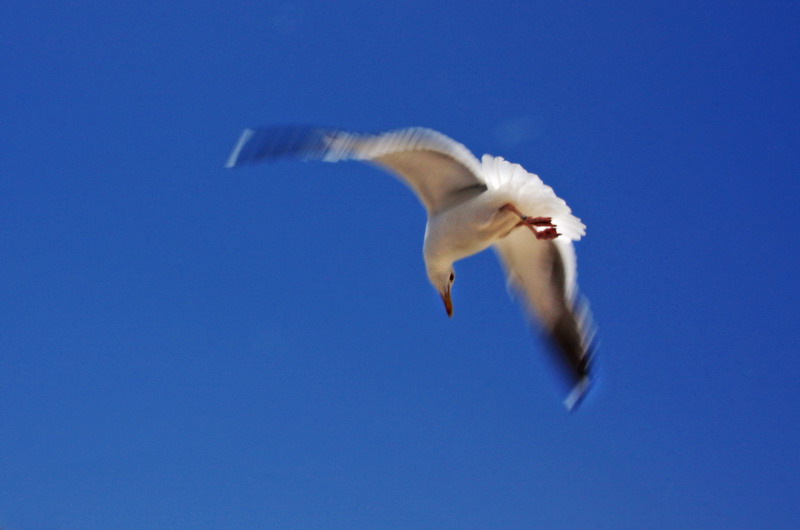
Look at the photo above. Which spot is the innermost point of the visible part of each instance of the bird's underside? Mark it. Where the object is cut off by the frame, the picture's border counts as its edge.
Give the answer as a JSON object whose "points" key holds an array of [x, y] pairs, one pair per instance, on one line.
{"points": [[535, 251]]}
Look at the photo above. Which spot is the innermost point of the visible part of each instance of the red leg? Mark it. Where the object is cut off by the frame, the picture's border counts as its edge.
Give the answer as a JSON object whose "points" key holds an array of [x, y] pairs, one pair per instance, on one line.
{"points": [[539, 221], [546, 234], [513, 209], [549, 231]]}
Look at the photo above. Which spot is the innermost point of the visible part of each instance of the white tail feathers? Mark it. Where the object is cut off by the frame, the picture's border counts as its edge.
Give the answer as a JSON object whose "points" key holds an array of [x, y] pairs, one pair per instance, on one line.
{"points": [[534, 197]]}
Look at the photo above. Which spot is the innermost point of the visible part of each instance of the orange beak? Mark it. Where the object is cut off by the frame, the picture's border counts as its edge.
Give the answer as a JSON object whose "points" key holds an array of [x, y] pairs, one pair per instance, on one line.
{"points": [[448, 303]]}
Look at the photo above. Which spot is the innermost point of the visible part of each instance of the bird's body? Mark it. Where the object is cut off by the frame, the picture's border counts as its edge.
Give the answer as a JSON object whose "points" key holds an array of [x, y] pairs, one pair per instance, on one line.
{"points": [[472, 226], [471, 206]]}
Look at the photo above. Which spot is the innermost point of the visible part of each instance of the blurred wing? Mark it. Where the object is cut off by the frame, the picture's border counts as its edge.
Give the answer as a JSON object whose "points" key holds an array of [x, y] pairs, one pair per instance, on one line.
{"points": [[441, 171], [543, 273]]}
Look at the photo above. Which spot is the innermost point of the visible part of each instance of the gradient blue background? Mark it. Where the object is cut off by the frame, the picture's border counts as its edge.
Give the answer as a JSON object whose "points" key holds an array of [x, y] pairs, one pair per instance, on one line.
{"points": [[184, 346]]}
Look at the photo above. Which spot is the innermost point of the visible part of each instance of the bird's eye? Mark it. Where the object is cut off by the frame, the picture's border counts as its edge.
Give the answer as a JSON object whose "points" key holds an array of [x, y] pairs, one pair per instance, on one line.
{"points": [[452, 277]]}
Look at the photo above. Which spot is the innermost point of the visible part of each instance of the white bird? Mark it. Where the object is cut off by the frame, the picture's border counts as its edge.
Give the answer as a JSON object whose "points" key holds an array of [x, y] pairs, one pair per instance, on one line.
{"points": [[471, 206]]}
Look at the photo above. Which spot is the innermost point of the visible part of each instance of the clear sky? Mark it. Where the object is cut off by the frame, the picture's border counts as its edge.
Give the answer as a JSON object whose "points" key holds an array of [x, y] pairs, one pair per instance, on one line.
{"points": [[184, 346]]}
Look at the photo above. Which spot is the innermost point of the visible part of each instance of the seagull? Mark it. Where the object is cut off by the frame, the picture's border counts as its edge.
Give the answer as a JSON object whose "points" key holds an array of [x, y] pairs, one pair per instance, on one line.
{"points": [[471, 205]]}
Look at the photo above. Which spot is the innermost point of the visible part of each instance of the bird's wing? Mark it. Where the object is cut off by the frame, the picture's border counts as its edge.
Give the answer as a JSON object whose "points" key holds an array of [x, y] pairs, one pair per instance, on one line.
{"points": [[441, 171], [543, 273]]}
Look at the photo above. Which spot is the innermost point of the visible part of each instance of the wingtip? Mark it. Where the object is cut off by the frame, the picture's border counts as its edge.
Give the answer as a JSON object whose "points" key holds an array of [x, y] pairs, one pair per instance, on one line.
{"points": [[243, 139], [577, 394]]}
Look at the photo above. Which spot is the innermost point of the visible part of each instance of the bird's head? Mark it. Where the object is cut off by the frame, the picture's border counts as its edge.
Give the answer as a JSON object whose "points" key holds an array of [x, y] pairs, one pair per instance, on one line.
{"points": [[442, 280]]}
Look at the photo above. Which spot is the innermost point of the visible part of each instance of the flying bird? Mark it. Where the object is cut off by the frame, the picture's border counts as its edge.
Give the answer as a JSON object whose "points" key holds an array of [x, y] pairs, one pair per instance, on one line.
{"points": [[472, 205]]}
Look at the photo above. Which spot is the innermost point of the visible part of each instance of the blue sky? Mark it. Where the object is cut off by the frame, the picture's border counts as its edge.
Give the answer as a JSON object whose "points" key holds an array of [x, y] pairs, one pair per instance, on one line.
{"points": [[184, 346]]}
